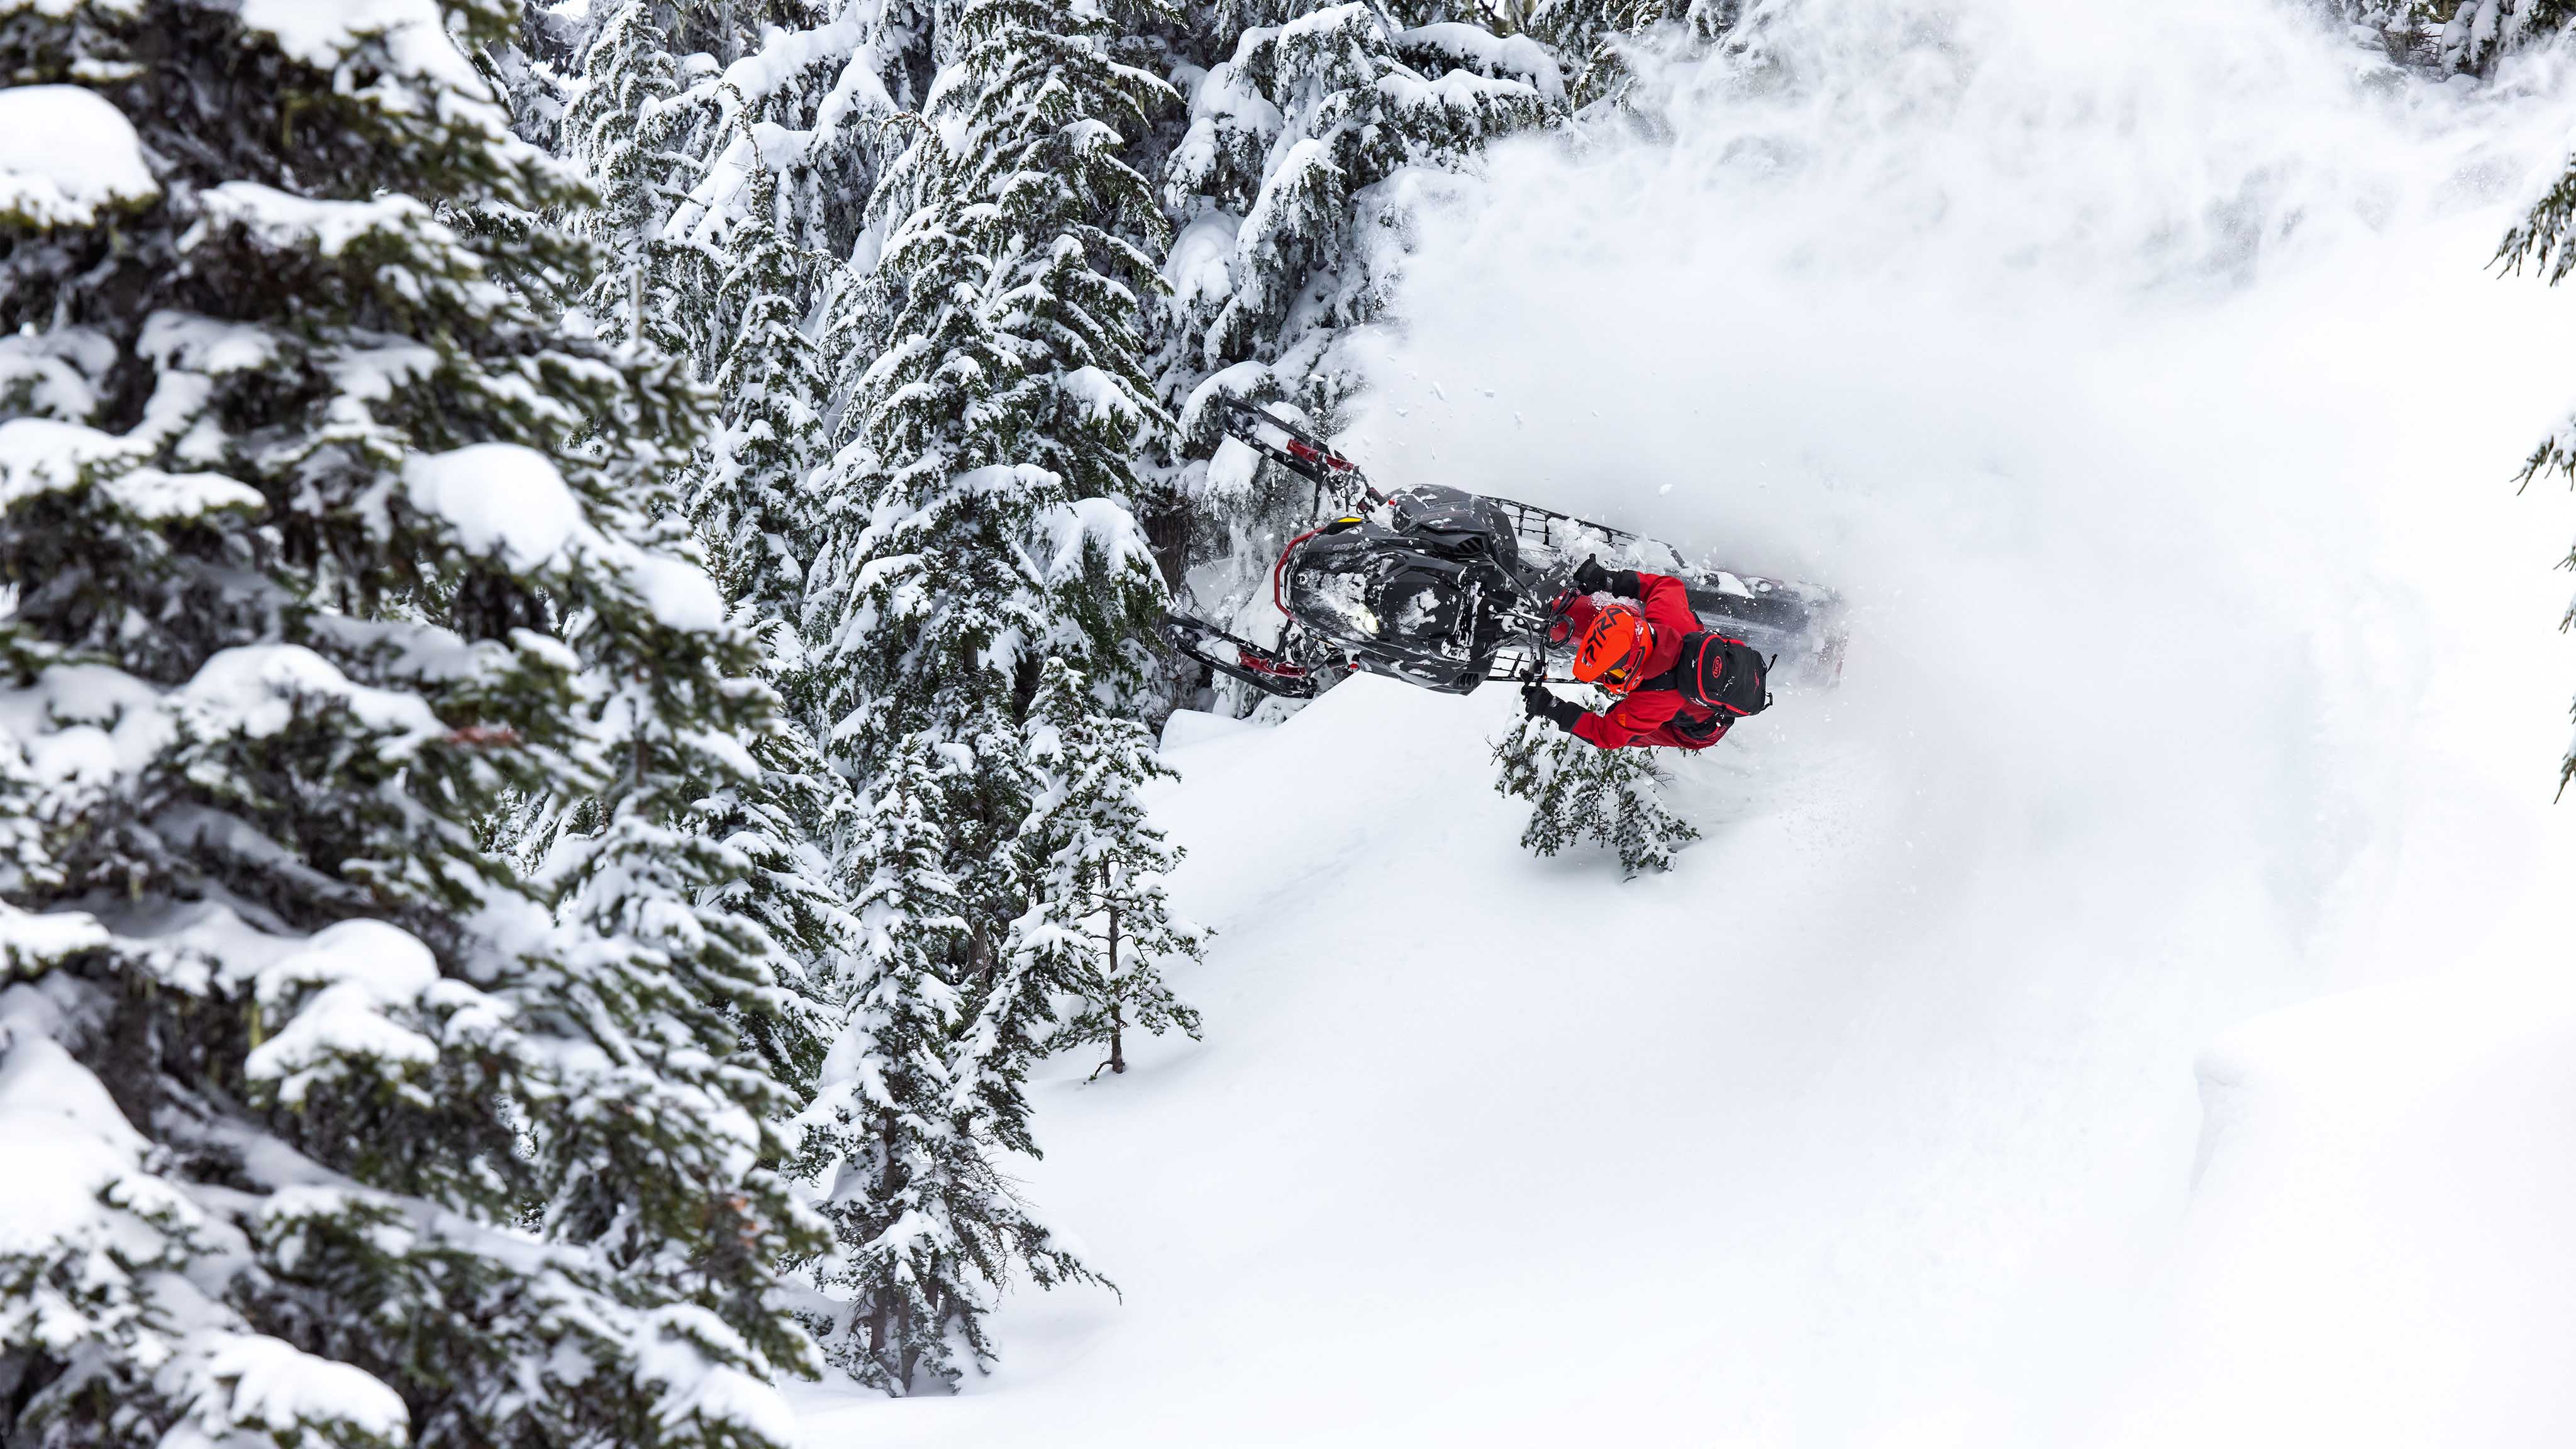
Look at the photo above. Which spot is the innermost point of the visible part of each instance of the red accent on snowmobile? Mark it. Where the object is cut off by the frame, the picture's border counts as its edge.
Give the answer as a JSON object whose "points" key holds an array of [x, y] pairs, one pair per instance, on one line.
{"points": [[1313, 454], [1279, 569], [1299, 454]]}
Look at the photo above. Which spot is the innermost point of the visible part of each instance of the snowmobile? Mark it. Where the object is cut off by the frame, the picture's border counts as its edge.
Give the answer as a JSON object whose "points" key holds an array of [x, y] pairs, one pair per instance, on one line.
{"points": [[1447, 589]]}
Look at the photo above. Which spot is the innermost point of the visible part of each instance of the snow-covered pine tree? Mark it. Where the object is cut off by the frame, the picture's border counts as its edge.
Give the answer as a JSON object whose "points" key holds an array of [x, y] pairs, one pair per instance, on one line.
{"points": [[321, 531], [978, 505], [813, 79], [748, 499], [997, 401], [1577, 792], [1091, 865], [1308, 135], [534, 69], [2481, 32], [627, 128], [929, 1230], [1597, 39]]}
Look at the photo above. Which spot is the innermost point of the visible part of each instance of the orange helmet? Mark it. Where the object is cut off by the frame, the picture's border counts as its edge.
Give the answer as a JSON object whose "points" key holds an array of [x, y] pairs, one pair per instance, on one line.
{"points": [[1613, 649]]}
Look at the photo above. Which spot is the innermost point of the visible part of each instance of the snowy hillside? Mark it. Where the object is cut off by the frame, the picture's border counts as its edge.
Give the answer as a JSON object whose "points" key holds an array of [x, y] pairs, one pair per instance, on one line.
{"points": [[1908, 1166], [2139, 383]]}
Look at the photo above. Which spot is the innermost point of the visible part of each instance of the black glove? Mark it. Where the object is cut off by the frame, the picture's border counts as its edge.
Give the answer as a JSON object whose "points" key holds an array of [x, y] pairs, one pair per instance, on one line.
{"points": [[1537, 703], [1590, 577]]}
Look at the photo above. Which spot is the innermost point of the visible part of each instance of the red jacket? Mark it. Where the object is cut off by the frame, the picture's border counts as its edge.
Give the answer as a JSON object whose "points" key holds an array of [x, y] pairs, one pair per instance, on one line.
{"points": [[1646, 716]]}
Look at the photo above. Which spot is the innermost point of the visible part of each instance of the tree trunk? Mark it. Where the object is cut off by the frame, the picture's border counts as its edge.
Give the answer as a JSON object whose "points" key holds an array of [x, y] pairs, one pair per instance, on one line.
{"points": [[1117, 1047], [1167, 537]]}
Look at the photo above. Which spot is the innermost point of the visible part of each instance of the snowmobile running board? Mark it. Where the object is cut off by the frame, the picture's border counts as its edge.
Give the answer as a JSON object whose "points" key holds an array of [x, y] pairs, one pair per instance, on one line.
{"points": [[1240, 658]]}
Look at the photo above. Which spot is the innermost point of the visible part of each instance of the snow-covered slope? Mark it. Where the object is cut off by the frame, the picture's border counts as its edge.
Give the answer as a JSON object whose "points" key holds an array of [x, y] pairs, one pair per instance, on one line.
{"points": [[2136, 377], [2377, 1250]]}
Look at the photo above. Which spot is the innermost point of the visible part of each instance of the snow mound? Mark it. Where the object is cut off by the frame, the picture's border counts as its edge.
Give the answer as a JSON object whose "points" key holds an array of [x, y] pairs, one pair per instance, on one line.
{"points": [[67, 1144], [278, 1387], [42, 455], [322, 33], [283, 220], [256, 689], [66, 154], [2377, 1251]]}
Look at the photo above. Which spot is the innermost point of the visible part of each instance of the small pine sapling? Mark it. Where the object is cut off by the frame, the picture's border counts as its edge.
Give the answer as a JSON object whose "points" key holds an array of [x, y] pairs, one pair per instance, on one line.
{"points": [[1092, 865], [1577, 792]]}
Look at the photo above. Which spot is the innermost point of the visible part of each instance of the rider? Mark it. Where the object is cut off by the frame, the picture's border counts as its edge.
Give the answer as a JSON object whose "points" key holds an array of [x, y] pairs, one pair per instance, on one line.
{"points": [[1624, 648]]}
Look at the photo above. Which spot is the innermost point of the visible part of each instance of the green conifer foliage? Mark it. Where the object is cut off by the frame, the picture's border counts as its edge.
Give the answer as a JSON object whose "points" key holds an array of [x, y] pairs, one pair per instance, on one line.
{"points": [[977, 527], [1578, 792], [1599, 41], [2479, 33], [980, 500], [749, 499], [328, 538], [929, 1229], [628, 132], [1090, 865]]}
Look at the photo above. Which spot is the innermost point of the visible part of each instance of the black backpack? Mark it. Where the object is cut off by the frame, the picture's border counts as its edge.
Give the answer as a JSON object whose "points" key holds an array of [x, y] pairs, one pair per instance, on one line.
{"points": [[1721, 675]]}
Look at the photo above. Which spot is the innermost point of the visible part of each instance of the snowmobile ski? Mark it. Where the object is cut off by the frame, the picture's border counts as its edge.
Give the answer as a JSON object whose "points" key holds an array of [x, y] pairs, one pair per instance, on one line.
{"points": [[1284, 443]]}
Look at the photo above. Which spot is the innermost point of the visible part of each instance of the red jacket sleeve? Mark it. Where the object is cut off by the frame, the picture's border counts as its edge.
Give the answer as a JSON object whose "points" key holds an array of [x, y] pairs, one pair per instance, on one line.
{"points": [[1667, 607], [1625, 722]]}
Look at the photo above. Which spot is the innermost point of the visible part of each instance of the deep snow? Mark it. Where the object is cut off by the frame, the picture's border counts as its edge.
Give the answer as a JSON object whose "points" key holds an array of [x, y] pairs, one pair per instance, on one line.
{"points": [[2134, 373]]}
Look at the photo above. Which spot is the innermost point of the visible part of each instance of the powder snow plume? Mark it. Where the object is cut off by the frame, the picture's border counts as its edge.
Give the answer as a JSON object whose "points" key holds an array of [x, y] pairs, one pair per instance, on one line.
{"points": [[2135, 371]]}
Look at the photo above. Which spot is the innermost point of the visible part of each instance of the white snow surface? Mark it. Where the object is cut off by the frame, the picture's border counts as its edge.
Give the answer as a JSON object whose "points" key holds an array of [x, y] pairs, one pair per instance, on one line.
{"points": [[2376, 1250], [67, 1144], [278, 1387], [2136, 375], [43, 455], [256, 689], [1494, 55], [283, 219], [65, 153], [1199, 266]]}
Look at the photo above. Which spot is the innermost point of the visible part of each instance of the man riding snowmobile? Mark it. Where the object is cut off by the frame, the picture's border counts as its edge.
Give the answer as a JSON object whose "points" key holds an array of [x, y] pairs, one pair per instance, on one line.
{"points": [[1636, 654], [1448, 590]]}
